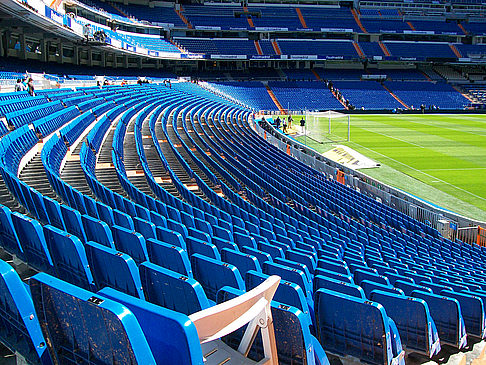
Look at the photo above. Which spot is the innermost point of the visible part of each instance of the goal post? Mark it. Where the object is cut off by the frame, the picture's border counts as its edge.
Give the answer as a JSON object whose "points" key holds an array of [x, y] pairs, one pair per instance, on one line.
{"points": [[328, 126]]}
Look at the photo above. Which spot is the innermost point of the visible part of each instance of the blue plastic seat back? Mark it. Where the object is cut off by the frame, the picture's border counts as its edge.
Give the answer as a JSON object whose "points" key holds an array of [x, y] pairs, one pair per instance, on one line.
{"points": [[177, 343], [436, 288], [8, 237], [472, 310], [332, 266], [170, 237], [352, 326], [97, 231], [244, 262], [85, 328], [334, 275], [260, 255], [113, 269], [73, 223], [302, 258], [244, 240], [172, 290], [169, 256], [31, 237], [195, 245], [408, 288], [446, 313], [295, 343], [368, 286], [130, 242], [273, 250], [323, 282], [19, 327], [68, 257], [360, 275], [290, 274], [413, 320], [145, 228], [214, 274], [53, 210]]}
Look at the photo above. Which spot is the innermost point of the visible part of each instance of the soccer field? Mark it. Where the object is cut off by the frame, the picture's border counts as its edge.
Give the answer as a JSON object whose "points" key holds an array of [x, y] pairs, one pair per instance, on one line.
{"points": [[439, 158]]}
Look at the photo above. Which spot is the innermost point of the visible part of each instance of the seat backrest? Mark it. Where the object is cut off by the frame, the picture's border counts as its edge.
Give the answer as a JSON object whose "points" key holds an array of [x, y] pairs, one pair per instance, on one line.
{"points": [[214, 274], [169, 256], [130, 242], [368, 286], [8, 237], [19, 327], [91, 328], [244, 262], [408, 288], [323, 282], [97, 230], [353, 326], [113, 269], [413, 320], [68, 257], [31, 237], [446, 313], [472, 309], [172, 290]]}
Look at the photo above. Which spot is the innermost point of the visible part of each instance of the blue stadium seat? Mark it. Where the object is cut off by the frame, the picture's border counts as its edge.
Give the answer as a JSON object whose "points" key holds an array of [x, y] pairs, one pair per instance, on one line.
{"points": [[446, 313], [131, 327], [356, 327], [412, 318], [213, 275], [68, 257], [131, 243], [113, 269], [172, 290], [19, 326], [169, 256]]}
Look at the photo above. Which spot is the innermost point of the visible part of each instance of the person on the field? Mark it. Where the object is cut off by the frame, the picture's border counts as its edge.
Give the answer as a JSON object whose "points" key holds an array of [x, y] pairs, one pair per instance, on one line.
{"points": [[277, 122], [289, 122], [19, 86], [284, 125], [30, 87], [302, 125]]}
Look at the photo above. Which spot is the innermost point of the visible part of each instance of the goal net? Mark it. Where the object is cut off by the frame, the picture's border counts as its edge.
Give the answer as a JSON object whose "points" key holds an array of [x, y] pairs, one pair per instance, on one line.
{"points": [[328, 127]]}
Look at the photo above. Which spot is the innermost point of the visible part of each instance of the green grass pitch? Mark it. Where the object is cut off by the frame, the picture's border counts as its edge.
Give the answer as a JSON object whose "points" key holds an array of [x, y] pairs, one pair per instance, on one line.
{"points": [[439, 158]]}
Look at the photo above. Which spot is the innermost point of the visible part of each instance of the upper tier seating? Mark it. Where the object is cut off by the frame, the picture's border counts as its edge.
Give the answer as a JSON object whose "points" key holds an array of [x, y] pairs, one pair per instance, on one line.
{"points": [[302, 95]]}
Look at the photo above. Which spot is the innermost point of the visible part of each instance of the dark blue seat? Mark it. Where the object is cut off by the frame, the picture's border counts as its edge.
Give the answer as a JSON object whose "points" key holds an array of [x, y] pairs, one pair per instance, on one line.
{"points": [[290, 274], [172, 290], [368, 286], [214, 274], [195, 245], [340, 268], [8, 237], [323, 282], [128, 328], [130, 242], [19, 326], [334, 275], [446, 313], [113, 269], [408, 288], [360, 275], [353, 326], [169, 256], [97, 230], [171, 237], [244, 262], [68, 257], [412, 318], [73, 223], [31, 237], [260, 255], [472, 310]]}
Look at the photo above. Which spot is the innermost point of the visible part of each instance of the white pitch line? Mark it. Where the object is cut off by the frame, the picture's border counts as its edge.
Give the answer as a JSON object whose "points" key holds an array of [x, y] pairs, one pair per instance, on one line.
{"points": [[431, 176], [463, 169]]}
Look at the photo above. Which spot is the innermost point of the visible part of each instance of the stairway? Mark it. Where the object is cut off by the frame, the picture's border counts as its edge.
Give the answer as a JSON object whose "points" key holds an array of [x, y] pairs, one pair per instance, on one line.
{"points": [[358, 21], [276, 48], [358, 49], [275, 100], [455, 50], [258, 47], [301, 18], [384, 48], [395, 97], [183, 17], [34, 175]]}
